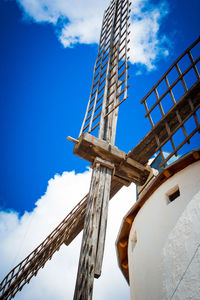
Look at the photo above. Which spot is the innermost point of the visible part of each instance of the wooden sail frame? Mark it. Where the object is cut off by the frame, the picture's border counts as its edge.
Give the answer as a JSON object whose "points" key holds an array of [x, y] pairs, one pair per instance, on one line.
{"points": [[69, 228], [110, 75]]}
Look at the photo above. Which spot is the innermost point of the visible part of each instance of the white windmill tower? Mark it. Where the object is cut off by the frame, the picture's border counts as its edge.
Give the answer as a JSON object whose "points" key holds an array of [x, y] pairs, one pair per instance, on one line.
{"points": [[112, 168]]}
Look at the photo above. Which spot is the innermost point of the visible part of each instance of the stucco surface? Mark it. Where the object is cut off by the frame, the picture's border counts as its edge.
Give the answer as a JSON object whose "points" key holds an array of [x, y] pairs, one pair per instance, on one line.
{"points": [[181, 256], [168, 235]]}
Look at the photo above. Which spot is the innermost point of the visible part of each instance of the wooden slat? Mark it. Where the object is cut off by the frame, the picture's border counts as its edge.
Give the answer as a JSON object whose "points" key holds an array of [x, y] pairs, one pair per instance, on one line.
{"points": [[148, 146], [171, 67], [172, 86], [113, 41]]}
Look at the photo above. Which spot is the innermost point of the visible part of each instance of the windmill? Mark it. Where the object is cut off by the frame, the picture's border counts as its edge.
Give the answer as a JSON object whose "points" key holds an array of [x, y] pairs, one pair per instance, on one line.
{"points": [[112, 168]]}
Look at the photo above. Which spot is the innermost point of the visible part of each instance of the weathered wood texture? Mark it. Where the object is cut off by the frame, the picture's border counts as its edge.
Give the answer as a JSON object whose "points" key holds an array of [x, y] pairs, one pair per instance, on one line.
{"points": [[126, 168], [92, 247], [89, 147]]}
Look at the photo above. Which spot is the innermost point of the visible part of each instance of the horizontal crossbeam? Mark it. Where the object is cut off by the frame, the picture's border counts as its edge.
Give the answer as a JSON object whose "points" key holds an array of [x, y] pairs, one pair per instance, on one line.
{"points": [[90, 147]]}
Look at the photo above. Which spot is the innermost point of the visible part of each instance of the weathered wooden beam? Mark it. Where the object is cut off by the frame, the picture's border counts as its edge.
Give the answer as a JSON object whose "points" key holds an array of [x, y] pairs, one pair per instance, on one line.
{"points": [[95, 223], [126, 169], [90, 147], [71, 139]]}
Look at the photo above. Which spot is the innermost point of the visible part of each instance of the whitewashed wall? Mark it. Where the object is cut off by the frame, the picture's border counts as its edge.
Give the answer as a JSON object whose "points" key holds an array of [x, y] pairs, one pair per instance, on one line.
{"points": [[181, 256], [153, 257]]}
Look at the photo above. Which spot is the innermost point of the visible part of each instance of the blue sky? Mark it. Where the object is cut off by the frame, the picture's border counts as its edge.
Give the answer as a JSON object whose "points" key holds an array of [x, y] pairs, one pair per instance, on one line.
{"points": [[47, 53], [45, 89]]}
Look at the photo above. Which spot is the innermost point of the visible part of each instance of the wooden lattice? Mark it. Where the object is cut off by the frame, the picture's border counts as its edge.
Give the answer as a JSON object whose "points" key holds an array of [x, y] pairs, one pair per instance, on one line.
{"points": [[109, 85], [180, 102]]}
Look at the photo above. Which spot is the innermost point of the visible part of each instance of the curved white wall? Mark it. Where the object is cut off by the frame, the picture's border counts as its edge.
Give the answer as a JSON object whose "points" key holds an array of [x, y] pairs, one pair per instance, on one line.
{"points": [[181, 256], [148, 256]]}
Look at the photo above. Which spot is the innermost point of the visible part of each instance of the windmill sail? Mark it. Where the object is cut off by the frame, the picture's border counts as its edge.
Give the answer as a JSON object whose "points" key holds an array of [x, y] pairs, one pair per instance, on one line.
{"points": [[25, 270], [176, 97], [109, 90], [69, 228], [110, 75]]}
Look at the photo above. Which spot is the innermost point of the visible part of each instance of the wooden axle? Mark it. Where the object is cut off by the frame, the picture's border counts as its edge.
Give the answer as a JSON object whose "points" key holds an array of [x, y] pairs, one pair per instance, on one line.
{"points": [[126, 170]]}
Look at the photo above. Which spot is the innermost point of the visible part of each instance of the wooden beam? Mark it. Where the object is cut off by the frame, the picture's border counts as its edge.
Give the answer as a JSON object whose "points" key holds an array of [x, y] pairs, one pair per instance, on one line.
{"points": [[71, 139], [90, 147], [126, 169], [122, 180], [135, 164]]}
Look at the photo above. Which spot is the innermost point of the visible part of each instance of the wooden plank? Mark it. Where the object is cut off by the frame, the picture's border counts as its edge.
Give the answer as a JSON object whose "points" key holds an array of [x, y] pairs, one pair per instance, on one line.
{"points": [[130, 173], [136, 164], [116, 185], [94, 231], [122, 180], [126, 168], [104, 163], [103, 223], [89, 147], [112, 100]]}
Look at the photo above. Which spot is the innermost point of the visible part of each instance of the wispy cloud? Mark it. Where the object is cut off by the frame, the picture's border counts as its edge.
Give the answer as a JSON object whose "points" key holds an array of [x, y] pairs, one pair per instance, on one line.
{"points": [[78, 21], [147, 44], [20, 235]]}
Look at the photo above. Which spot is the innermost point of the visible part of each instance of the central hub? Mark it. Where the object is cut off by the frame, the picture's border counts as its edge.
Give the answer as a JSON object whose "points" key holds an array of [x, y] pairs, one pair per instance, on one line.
{"points": [[126, 169]]}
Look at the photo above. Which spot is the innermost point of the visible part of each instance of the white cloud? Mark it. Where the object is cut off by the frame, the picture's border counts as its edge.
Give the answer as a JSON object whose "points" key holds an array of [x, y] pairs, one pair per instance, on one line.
{"points": [[146, 43], [20, 235], [78, 21]]}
